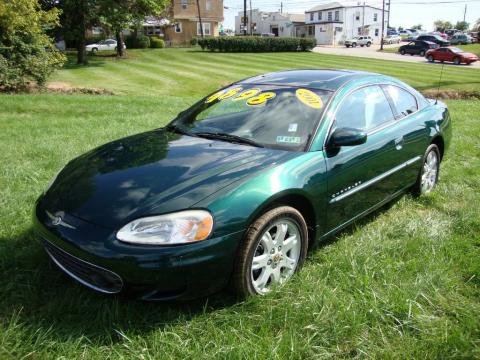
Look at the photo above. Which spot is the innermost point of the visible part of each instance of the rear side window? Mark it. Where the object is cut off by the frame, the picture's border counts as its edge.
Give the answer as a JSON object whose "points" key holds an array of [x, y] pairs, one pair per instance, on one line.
{"points": [[404, 102], [366, 109]]}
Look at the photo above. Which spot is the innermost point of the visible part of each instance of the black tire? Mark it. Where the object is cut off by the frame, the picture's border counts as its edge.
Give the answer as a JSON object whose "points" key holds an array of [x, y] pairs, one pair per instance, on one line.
{"points": [[416, 190], [241, 281], [422, 53], [430, 58], [457, 61], [402, 52], [354, 44], [368, 44], [115, 48], [347, 46], [94, 50]]}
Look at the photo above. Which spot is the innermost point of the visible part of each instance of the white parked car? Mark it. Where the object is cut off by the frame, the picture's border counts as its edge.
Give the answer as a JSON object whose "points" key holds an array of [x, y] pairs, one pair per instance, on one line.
{"points": [[103, 45], [392, 39], [359, 40]]}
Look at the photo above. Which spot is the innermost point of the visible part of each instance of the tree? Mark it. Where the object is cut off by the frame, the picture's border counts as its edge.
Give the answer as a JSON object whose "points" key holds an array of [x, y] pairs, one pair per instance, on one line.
{"points": [[119, 15], [476, 27], [462, 25], [441, 25], [417, 27], [27, 53]]}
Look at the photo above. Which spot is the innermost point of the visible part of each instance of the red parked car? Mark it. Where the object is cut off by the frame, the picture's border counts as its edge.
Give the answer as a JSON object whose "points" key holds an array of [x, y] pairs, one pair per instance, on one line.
{"points": [[452, 54]]}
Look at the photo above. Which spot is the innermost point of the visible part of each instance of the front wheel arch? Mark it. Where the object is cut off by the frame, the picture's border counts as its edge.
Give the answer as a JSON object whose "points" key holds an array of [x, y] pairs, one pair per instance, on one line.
{"points": [[438, 140]]}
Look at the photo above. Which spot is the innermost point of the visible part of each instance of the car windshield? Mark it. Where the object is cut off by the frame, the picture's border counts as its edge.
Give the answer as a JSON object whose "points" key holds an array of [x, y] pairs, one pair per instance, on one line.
{"points": [[278, 117], [456, 50]]}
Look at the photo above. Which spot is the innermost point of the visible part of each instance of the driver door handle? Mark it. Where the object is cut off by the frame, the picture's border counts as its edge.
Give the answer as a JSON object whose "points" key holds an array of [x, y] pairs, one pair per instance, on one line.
{"points": [[399, 143]]}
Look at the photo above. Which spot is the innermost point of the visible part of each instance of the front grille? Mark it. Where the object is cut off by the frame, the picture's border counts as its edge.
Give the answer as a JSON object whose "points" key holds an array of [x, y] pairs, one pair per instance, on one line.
{"points": [[93, 276]]}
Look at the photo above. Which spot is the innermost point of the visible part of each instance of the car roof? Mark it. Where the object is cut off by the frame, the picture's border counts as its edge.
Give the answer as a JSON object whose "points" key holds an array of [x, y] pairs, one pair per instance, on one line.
{"points": [[321, 79]]}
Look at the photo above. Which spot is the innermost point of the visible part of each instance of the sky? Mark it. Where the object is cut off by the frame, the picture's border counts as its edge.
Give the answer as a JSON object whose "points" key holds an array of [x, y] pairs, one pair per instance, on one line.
{"points": [[405, 13]]}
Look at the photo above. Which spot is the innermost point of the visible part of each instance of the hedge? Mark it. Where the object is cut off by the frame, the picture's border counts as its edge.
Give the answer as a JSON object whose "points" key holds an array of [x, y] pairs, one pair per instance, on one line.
{"points": [[157, 43], [140, 42], [256, 44]]}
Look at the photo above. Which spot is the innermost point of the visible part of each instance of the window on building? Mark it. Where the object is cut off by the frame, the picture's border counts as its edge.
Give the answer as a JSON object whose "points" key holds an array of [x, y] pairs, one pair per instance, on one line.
{"points": [[184, 4], [311, 16], [359, 32], [206, 29], [337, 15], [329, 16], [365, 109], [375, 17], [208, 5], [357, 15], [311, 30], [376, 32], [319, 15], [178, 27]]}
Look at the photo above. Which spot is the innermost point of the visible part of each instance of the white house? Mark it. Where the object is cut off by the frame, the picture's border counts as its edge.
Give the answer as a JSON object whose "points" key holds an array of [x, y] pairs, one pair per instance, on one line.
{"points": [[280, 24], [333, 23]]}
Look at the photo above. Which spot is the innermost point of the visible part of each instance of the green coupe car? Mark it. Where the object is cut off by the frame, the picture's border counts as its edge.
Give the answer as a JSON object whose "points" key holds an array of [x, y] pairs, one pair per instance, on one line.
{"points": [[234, 191]]}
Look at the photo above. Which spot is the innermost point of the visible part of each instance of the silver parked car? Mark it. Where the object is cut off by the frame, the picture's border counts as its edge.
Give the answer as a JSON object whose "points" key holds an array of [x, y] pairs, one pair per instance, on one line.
{"points": [[359, 40], [103, 45]]}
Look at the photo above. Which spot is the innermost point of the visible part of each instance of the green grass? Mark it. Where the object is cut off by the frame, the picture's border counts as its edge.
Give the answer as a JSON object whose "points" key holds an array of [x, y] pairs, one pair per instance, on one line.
{"points": [[473, 48], [403, 283]]}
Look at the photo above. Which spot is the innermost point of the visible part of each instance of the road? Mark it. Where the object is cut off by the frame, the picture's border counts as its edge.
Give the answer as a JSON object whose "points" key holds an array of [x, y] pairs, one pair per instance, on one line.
{"points": [[373, 53]]}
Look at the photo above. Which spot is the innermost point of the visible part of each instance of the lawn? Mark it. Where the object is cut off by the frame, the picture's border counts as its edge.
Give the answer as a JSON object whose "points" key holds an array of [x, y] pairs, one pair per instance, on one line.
{"points": [[403, 283]]}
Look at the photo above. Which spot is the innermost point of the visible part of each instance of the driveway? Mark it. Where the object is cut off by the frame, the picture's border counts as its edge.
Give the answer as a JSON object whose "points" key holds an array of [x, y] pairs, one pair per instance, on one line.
{"points": [[373, 53]]}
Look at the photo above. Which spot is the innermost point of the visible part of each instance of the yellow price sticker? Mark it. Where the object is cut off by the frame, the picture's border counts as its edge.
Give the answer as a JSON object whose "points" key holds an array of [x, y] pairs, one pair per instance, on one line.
{"points": [[214, 97], [246, 94], [261, 99], [309, 98], [230, 93]]}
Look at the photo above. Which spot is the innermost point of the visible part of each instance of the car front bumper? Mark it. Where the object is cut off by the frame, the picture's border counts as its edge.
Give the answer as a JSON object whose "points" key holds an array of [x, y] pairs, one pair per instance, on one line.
{"points": [[94, 257]]}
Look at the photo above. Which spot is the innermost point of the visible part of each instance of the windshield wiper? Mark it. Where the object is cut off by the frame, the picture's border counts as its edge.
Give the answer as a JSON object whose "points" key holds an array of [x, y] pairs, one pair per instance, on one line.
{"points": [[228, 137]]}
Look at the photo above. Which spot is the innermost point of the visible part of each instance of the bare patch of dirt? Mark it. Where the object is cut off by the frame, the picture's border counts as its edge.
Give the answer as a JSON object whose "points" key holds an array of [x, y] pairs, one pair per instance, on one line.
{"points": [[451, 94], [66, 88]]}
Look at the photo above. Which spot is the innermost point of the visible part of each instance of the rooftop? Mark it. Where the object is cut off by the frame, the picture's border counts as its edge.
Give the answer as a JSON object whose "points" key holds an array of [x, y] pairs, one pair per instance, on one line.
{"points": [[325, 79]]}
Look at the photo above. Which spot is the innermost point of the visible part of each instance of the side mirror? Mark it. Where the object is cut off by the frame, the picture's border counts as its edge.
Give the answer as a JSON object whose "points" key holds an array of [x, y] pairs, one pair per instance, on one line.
{"points": [[347, 137]]}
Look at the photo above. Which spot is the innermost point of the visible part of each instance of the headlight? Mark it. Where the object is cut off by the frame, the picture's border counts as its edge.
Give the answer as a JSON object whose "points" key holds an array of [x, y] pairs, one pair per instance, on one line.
{"points": [[177, 228]]}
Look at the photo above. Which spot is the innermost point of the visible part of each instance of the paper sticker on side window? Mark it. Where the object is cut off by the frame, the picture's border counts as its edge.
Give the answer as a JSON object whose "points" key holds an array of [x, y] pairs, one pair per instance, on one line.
{"points": [[309, 98]]}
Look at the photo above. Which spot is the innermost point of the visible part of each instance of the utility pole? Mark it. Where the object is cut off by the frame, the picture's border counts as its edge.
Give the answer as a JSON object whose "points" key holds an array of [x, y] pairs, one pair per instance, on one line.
{"points": [[251, 18], [383, 24], [244, 17], [388, 16], [200, 19], [465, 13], [363, 19], [281, 8]]}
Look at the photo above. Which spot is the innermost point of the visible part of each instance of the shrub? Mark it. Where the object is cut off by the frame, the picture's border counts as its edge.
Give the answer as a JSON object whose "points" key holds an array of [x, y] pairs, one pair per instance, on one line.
{"points": [[256, 44], [143, 42], [27, 54], [193, 41], [157, 43]]}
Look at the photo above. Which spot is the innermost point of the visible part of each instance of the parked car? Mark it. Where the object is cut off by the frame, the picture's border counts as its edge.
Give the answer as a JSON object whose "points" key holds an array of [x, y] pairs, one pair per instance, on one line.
{"points": [[405, 33], [409, 38], [392, 32], [460, 39], [103, 45], [434, 38], [392, 39], [237, 187], [452, 54], [359, 40], [267, 35], [417, 47]]}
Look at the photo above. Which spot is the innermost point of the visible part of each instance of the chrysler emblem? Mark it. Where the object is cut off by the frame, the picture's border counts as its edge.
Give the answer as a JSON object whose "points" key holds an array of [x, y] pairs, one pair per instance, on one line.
{"points": [[56, 220]]}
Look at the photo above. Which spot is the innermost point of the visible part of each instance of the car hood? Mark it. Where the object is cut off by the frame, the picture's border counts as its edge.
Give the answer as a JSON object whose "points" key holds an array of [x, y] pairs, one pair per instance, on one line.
{"points": [[151, 173]]}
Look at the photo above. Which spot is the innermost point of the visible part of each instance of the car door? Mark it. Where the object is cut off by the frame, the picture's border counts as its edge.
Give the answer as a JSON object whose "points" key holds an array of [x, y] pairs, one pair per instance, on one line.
{"points": [[359, 176], [411, 133]]}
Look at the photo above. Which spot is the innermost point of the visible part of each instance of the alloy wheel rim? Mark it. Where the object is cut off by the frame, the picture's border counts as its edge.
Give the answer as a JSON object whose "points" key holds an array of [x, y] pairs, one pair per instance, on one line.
{"points": [[430, 171], [276, 257]]}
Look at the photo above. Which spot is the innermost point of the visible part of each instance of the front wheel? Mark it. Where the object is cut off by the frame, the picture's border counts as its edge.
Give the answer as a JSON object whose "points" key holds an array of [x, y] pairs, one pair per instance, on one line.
{"points": [[456, 61], [428, 176], [354, 45], [402, 52], [422, 53], [430, 58], [274, 248], [368, 44]]}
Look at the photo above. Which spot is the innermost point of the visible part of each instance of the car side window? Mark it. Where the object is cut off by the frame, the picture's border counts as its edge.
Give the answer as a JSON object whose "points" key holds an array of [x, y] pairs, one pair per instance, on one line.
{"points": [[404, 102], [365, 109]]}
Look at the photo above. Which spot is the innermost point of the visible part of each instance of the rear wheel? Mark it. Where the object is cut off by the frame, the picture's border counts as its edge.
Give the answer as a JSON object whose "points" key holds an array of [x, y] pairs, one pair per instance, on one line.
{"points": [[402, 52], [428, 176], [368, 44], [347, 46], [456, 61], [274, 248], [354, 45], [94, 50], [422, 53]]}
